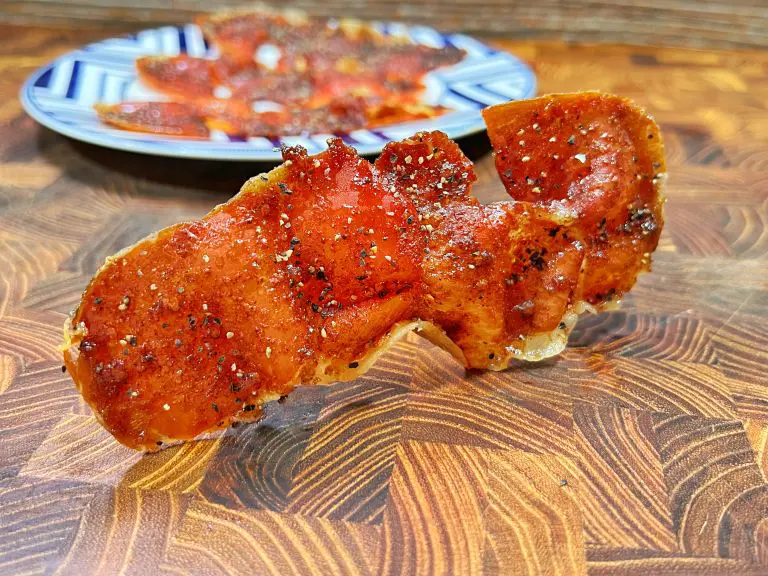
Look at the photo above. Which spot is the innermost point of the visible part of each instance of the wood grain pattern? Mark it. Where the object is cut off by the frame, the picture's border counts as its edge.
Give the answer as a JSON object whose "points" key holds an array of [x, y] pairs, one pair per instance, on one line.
{"points": [[678, 22], [39, 519], [623, 493], [344, 471], [718, 498], [433, 523], [533, 522], [255, 464], [144, 519], [643, 449], [217, 540]]}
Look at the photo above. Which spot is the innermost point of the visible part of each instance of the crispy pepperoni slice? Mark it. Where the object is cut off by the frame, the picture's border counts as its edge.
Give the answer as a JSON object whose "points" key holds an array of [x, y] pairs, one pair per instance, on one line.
{"points": [[313, 270], [597, 157], [171, 118]]}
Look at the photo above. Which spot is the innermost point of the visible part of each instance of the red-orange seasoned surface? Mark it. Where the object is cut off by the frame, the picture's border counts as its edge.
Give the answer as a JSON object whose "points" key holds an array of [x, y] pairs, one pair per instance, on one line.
{"points": [[181, 76], [311, 68], [592, 156], [170, 118], [314, 269]]}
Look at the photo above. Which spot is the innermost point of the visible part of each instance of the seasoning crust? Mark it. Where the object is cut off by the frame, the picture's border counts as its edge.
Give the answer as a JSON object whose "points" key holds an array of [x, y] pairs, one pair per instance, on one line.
{"points": [[316, 268]]}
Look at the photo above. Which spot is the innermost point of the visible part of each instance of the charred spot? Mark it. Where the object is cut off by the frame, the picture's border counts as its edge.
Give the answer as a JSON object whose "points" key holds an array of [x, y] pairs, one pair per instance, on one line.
{"points": [[87, 345], [601, 229], [491, 356], [642, 216], [353, 364], [234, 387], [249, 407], [553, 232], [320, 275], [315, 307], [537, 259]]}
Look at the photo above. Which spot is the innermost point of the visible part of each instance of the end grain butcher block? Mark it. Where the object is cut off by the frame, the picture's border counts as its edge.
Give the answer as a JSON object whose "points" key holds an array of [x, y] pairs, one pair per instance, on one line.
{"points": [[641, 450]]}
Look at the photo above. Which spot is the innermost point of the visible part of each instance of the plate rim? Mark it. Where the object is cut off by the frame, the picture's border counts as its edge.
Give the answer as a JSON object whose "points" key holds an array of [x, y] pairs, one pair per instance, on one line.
{"points": [[178, 150]]}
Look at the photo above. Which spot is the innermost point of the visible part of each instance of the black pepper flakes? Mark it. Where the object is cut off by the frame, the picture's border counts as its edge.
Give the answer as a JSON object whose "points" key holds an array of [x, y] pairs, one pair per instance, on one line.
{"points": [[537, 259]]}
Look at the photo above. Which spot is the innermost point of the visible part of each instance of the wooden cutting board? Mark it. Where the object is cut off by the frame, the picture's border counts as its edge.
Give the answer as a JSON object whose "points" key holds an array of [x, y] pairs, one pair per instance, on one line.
{"points": [[641, 450]]}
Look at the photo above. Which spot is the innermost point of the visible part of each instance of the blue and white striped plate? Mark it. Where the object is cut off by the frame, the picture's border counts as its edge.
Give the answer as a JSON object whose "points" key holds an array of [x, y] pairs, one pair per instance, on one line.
{"points": [[61, 94]]}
